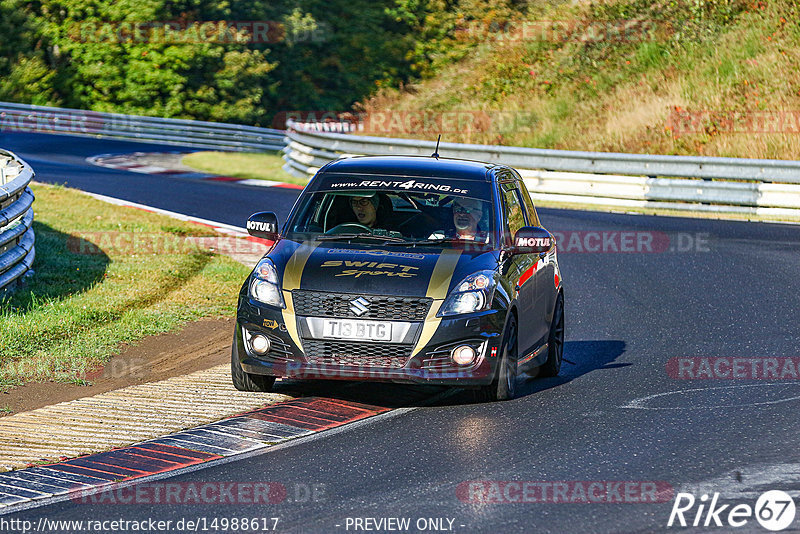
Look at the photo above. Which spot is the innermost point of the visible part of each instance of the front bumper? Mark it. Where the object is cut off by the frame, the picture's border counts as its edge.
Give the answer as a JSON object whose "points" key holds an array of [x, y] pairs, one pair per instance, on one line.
{"points": [[385, 362]]}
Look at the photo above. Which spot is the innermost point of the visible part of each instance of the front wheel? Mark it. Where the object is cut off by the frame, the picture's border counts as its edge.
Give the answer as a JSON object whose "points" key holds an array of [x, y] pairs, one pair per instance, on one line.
{"points": [[555, 341], [504, 385], [246, 381]]}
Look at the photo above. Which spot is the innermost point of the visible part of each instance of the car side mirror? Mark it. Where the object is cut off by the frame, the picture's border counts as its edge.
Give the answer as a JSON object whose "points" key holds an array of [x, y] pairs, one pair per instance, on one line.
{"points": [[263, 224], [533, 240]]}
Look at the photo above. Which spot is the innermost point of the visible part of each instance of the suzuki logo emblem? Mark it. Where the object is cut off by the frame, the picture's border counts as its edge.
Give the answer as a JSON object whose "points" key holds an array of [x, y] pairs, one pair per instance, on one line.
{"points": [[359, 306]]}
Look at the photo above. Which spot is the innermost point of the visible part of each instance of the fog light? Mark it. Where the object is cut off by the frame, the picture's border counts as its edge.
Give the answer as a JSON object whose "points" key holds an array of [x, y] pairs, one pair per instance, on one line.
{"points": [[260, 344], [463, 355]]}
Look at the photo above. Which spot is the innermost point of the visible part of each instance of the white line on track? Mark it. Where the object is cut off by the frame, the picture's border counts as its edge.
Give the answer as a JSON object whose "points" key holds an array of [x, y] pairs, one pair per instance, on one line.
{"points": [[225, 228], [749, 482], [640, 403]]}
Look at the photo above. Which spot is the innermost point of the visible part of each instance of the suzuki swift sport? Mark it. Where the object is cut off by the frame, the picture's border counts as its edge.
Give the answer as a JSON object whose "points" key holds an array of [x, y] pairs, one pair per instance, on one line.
{"points": [[403, 269]]}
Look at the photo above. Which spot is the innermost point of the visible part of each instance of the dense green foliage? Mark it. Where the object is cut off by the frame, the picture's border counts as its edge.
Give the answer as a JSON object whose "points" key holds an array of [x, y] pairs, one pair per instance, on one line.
{"points": [[319, 54]]}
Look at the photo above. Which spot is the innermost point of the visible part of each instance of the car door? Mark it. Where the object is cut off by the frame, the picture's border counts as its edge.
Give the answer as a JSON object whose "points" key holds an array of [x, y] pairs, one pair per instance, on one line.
{"points": [[522, 268], [546, 284]]}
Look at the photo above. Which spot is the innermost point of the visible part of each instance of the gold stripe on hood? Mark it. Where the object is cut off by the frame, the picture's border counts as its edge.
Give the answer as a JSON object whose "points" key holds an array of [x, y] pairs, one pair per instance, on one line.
{"points": [[292, 275], [437, 290]]}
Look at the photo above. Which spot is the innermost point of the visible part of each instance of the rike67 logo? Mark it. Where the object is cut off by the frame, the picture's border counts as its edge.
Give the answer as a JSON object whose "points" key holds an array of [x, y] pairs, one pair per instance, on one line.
{"points": [[774, 510]]}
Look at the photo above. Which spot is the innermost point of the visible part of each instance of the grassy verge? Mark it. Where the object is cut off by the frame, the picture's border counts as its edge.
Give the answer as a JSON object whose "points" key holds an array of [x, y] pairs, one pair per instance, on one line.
{"points": [[714, 78], [105, 275], [242, 165]]}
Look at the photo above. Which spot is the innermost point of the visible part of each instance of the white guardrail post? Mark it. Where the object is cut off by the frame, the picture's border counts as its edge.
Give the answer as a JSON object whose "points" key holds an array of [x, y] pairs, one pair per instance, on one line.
{"points": [[733, 185], [17, 250], [188, 133]]}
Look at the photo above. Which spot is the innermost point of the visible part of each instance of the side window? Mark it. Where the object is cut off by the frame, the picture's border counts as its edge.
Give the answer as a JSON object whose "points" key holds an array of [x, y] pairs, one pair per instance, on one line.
{"points": [[533, 217], [512, 209]]}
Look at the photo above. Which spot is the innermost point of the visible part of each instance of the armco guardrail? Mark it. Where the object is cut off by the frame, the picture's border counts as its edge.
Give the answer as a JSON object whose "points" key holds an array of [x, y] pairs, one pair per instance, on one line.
{"points": [[16, 220], [750, 186], [198, 134]]}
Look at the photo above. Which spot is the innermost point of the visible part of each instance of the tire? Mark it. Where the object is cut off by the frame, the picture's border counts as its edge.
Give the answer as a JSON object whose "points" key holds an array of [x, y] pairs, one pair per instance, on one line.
{"points": [[503, 387], [245, 381], [555, 342]]}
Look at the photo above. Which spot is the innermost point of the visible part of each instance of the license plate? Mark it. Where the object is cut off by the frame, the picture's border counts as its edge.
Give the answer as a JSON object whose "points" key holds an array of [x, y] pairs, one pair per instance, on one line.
{"points": [[363, 330]]}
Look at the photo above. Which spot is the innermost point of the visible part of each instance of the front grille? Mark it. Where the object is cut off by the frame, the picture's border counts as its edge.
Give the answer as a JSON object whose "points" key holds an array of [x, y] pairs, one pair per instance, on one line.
{"points": [[280, 349], [356, 354], [322, 304]]}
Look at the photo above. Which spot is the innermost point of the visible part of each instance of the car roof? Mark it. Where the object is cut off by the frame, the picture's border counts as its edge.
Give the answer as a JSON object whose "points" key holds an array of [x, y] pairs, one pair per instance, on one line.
{"points": [[423, 166]]}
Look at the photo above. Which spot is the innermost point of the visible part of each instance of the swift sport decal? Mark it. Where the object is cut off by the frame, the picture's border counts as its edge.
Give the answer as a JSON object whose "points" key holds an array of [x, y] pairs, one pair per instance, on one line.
{"points": [[372, 268]]}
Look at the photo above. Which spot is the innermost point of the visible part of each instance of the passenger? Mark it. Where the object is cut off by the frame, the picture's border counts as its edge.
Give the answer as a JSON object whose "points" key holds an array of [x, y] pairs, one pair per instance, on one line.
{"points": [[467, 213]]}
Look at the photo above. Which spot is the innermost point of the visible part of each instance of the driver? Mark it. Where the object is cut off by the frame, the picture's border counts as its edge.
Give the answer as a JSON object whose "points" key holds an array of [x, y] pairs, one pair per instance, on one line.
{"points": [[365, 209]]}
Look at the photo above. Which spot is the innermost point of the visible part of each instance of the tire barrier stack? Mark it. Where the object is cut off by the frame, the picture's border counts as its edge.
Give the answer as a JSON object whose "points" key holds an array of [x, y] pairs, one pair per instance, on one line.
{"points": [[17, 250]]}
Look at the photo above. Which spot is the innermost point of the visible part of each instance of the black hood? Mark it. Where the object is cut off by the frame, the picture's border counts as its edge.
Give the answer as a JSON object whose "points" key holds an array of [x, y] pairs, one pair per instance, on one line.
{"points": [[369, 270]]}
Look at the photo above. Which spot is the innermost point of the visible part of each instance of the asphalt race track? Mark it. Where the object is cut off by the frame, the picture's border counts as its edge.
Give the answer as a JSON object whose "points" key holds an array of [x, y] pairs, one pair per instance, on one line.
{"points": [[60, 159], [619, 411]]}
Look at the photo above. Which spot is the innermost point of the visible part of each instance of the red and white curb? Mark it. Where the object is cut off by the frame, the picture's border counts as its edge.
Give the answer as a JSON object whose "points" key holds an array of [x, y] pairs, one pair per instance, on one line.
{"points": [[247, 432], [133, 162]]}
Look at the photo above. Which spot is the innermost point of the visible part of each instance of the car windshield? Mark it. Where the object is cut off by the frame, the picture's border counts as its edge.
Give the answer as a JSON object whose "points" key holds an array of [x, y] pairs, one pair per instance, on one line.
{"points": [[417, 218]]}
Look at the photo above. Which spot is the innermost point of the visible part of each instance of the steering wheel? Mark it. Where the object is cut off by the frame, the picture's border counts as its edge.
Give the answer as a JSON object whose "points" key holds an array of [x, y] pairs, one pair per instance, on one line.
{"points": [[346, 228]]}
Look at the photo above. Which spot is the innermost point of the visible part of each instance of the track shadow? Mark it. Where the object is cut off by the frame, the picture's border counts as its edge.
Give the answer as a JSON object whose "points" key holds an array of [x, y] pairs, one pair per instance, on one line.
{"points": [[62, 268], [375, 393], [580, 358]]}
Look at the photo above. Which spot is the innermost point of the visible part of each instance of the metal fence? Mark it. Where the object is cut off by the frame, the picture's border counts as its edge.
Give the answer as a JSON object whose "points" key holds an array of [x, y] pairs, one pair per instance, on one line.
{"points": [[198, 134], [16, 219], [749, 186]]}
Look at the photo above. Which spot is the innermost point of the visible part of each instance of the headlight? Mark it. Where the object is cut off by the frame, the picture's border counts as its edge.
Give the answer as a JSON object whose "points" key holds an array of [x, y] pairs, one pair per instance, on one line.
{"points": [[264, 287], [474, 293]]}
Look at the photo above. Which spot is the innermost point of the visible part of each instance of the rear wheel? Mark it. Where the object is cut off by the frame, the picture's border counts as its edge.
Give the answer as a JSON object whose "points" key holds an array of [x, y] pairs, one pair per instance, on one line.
{"points": [[246, 381], [503, 387], [555, 341]]}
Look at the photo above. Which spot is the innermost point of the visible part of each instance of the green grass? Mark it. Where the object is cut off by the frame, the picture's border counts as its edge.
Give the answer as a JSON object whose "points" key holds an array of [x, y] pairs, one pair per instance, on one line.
{"points": [[619, 95], [105, 275], [242, 165]]}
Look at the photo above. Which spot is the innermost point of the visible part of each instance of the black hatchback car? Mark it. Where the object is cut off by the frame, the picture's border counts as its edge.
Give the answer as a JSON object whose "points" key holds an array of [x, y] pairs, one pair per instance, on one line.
{"points": [[404, 269]]}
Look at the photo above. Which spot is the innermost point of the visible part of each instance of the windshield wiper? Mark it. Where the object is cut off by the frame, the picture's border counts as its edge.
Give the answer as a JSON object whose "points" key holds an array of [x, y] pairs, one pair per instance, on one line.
{"points": [[389, 238]]}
